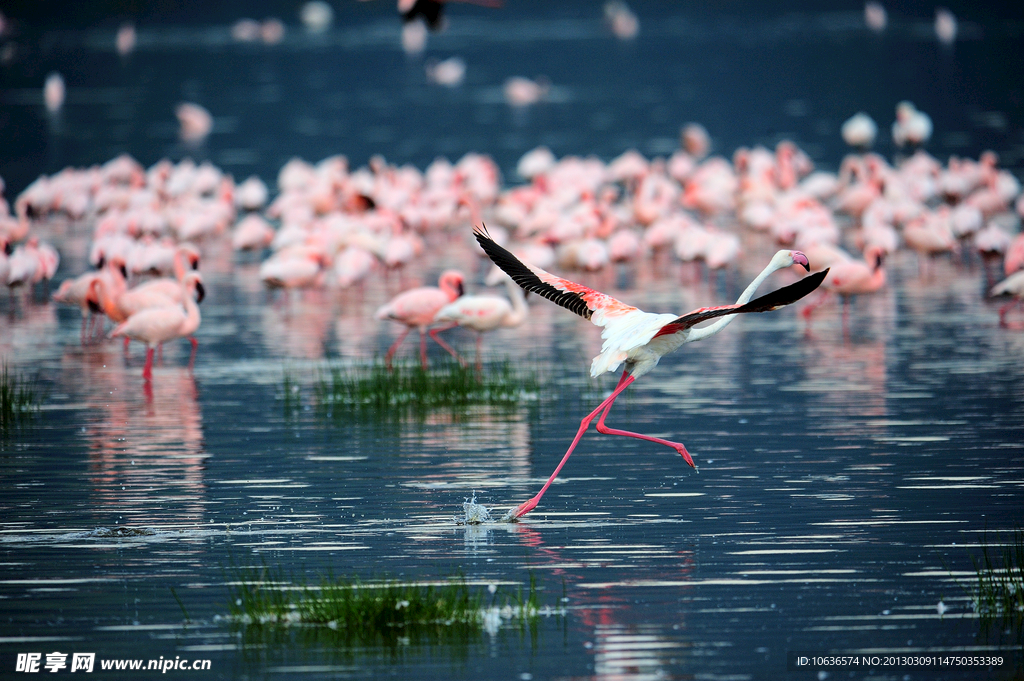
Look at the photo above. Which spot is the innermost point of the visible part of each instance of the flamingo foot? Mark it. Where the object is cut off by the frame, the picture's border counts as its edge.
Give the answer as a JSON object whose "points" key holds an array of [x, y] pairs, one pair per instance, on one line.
{"points": [[685, 454], [519, 511]]}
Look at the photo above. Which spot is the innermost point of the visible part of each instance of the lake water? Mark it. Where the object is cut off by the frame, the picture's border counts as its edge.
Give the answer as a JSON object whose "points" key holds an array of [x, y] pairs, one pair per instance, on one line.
{"points": [[847, 475]]}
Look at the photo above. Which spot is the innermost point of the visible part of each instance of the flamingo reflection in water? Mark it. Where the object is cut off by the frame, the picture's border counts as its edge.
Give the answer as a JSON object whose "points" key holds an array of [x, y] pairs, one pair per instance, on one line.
{"points": [[146, 465], [638, 338]]}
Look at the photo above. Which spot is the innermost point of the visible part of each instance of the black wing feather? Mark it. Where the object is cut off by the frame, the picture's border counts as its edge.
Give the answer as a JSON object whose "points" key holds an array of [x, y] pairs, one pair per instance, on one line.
{"points": [[526, 278], [769, 301]]}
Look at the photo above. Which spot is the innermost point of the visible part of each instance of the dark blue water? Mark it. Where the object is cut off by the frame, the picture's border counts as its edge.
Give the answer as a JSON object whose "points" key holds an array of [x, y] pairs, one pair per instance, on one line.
{"points": [[748, 78], [847, 474]]}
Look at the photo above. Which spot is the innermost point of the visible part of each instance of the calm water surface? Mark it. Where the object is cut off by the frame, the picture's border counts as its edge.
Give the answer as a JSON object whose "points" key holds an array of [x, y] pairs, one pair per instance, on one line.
{"points": [[847, 473]]}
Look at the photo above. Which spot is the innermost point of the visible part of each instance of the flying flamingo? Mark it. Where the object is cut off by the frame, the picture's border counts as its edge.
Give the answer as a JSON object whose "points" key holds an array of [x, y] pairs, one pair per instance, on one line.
{"points": [[486, 313], [153, 326], [416, 309], [431, 11], [635, 337]]}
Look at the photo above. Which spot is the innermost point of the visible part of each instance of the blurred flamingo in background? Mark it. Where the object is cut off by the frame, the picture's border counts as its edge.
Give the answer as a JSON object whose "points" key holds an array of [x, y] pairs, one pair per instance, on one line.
{"points": [[156, 325], [1013, 285], [848, 277], [416, 309], [482, 313], [638, 338]]}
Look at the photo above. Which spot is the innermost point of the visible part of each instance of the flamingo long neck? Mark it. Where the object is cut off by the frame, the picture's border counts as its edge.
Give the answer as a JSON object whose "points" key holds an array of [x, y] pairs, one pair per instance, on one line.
{"points": [[748, 293], [192, 317], [179, 264], [520, 310], [106, 300]]}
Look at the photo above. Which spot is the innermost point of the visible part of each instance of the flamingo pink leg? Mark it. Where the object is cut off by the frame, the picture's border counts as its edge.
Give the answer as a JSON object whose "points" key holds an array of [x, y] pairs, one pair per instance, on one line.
{"points": [[450, 349], [602, 428], [531, 504], [1004, 310], [147, 370], [423, 349], [192, 357], [394, 347], [814, 305]]}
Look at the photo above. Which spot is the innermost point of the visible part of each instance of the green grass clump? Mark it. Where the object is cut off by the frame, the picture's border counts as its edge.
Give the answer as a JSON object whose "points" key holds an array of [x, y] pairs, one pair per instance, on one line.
{"points": [[375, 389], [1000, 592], [381, 612], [19, 401]]}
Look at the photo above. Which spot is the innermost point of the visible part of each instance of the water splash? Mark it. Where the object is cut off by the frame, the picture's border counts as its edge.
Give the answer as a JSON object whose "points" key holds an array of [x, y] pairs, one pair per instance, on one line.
{"points": [[473, 513]]}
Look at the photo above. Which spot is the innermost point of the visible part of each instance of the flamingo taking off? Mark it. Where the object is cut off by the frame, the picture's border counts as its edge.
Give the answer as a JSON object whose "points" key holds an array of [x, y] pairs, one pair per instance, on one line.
{"points": [[156, 325], [638, 338], [416, 309]]}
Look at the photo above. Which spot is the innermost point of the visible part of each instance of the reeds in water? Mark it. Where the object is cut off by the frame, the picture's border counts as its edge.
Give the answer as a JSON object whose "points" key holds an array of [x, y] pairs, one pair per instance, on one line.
{"points": [[377, 390], [19, 400], [1000, 591], [380, 612]]}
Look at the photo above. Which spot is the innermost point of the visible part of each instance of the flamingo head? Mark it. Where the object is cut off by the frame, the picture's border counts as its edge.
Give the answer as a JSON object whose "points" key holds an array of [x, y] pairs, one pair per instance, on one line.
{"points": [[788, 258], [117, 263], [195, 282], [874, 254], [451, 282]]}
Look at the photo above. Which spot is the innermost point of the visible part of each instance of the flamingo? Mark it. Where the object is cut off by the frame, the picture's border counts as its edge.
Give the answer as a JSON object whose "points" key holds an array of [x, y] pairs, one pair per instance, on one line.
{"points": [[1013, 285], [416, 309], [852, 277], [859, 131], [153, 326], [486, 313], [638, 338], [75, 291], [431, 11], [185, 259]]}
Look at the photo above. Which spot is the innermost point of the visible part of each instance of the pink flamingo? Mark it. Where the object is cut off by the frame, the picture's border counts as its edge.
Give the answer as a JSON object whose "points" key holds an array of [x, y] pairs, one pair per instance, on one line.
{"points": [[486, 313], [186, 259], [156, 325], [75, 291], [638, 338], [852, 277], [416, 309], [1014, 259]]}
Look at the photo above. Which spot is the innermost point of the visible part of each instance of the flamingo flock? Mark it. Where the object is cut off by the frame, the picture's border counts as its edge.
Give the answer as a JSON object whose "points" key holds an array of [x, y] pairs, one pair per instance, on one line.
{"points": [[331, 226]]}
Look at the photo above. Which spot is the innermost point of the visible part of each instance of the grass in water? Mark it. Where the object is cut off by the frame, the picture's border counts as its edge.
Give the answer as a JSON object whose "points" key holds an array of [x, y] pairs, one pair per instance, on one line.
{"points": [[384, 612], [19, 401], [1000, 596], [374, 389]]}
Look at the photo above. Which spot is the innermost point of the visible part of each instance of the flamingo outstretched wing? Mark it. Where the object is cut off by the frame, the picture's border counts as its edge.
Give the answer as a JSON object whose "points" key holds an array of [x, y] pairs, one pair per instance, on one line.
{"points": [[575, 297], [770, 301]]}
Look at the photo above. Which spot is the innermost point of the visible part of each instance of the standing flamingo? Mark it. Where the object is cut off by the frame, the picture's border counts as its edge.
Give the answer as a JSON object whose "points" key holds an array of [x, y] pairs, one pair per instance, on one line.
{"points": [[1013, 285], [638, 338], [156, 325], [486, 313], [850, 278], [416, 309]]}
